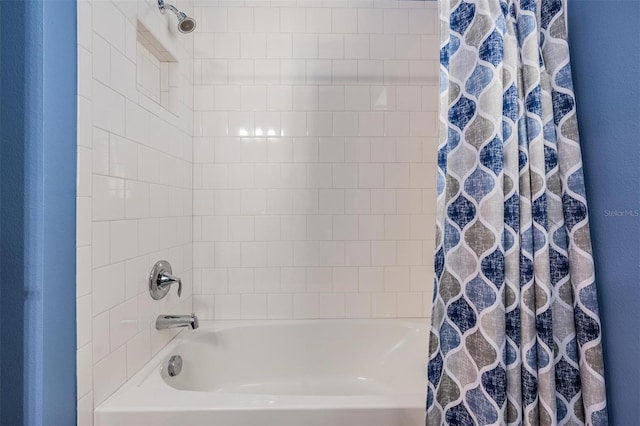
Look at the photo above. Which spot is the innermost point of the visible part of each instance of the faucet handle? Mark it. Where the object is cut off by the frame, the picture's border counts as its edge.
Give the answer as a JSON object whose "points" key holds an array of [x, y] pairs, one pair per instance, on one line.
{"points": [[160, 280], [166, 279]]}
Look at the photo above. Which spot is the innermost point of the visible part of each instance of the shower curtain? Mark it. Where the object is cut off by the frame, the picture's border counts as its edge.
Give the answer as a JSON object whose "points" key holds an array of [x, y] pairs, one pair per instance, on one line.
{"points": [[516, 336]]}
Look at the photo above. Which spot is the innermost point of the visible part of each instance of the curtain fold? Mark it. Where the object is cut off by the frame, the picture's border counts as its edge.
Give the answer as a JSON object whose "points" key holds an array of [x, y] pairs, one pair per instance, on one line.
{"points": [[516, 336]]}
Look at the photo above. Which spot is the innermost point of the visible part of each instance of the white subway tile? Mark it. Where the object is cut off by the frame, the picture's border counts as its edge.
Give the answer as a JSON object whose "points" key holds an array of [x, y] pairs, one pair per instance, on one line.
{"points": [[100, 336], [267, 176], [409, 201], [240, 19], [138, 352], [383, 149], [228, 306], [344, 279], [267, 280], [123, 322], [109, 374], [305, 98], [318, 20], [280, 98], [345, 175], [123, 240], [293, 280], [397, 278], [279, 253], [357, 98], [254, 254], [279, 201], [305, 46], [344, 20], [345, 124], [409, 305], [101, 247], [370, 123], [279, 150], [293, 124], [343, 71], [356, 46], [318, 71], [254, 306], [254, 201], [370, 21], [384, 305], [267, 71], [292, 20], [241, 228], [254, 150], [213, 19], [267, 228], [331, 253], [358, 305], [357, 253], [319, 124], [423, 124], [84, 370], [253, 46], [279, 46], [371, 227], [396, 72], [331, 305], [421, 21], [396, 21], [253, 98], [305, 150], [331, 46], [305, 306], [293, 228], [319, 227], [318, 280], [331, 98], [370, 175], [226, 45], [383, 253], [305, 253], [240, 280], [370, 279], [383, 98], [266, 19], [319, 175], [357, 150], [397, 175], [108, 287], [357, 201], [331, 201], [227, 254], [410, 252], [383, 201], [280, 306]]}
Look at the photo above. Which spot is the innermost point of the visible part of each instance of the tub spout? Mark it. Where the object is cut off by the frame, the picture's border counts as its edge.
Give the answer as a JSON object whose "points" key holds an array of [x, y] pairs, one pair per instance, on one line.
{"points": [[173, 321]]}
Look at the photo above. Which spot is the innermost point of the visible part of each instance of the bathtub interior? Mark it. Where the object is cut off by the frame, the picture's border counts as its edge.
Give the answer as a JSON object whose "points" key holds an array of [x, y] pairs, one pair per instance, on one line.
{"points": [[313, 358]]}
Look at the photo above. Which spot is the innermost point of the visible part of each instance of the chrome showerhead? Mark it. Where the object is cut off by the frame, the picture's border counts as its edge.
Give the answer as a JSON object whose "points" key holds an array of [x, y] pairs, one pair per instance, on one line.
{"points": [[185, 23]]}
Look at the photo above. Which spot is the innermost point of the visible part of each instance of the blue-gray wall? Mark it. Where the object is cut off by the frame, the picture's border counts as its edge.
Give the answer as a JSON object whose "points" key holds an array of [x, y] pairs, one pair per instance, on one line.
{"points": [[604, 38], [37, 213]]}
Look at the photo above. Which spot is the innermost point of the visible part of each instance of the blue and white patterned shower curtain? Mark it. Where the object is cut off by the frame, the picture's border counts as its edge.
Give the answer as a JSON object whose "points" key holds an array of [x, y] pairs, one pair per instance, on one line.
{"points": [[515, 337]]}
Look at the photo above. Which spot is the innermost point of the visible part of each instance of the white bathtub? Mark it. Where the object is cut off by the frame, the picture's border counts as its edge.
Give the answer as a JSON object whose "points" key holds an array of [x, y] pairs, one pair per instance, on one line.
{"points": [[280, 373]]}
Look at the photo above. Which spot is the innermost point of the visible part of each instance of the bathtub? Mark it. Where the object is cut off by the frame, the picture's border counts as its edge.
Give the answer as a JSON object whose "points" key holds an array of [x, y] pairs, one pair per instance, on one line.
{"points": [[281, 373]]}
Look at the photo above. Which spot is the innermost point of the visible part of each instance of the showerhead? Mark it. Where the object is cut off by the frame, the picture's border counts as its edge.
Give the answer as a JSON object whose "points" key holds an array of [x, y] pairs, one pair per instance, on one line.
{"points": [[185, 23]]}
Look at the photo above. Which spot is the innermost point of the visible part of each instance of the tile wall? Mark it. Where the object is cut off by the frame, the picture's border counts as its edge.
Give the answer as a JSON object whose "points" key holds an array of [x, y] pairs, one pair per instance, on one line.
{"points": [[314, 158], [134, 189]]}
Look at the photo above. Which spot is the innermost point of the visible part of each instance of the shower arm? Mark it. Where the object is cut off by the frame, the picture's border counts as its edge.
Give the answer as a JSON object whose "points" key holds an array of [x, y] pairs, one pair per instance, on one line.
{"points": [[162, 6]]}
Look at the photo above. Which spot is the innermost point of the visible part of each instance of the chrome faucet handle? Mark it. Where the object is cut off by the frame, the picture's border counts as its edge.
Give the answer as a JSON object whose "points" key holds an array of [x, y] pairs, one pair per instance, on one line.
{"points": [[166, 279], [160, 280]]}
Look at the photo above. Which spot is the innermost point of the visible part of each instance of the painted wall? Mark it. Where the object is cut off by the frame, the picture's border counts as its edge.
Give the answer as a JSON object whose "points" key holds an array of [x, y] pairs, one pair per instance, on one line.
{"points": [[314, 159], [605, 49], [134, 186], [37, 215]]}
